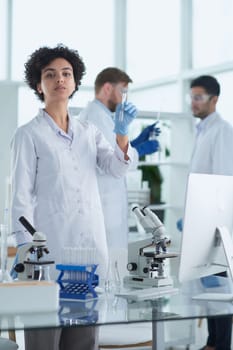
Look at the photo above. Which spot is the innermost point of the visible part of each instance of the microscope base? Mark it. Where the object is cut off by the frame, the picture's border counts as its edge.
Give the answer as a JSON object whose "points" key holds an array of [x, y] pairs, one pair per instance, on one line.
{"points": [[142, 282]]}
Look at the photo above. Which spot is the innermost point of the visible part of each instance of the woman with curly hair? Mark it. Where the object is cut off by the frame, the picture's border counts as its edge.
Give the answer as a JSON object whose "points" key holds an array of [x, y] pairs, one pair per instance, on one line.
{"points": [[54, 183]]}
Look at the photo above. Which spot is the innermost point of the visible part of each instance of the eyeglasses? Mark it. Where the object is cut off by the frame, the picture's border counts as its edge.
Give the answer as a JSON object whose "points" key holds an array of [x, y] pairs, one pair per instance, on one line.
{"points": [[198, 98], [122, 90]]}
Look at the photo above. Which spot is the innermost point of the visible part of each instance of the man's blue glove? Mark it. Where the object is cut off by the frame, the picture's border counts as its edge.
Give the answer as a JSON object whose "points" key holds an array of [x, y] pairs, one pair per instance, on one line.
{"points": [[147, 147], [145, 134], [129, 113], [179, 225]]}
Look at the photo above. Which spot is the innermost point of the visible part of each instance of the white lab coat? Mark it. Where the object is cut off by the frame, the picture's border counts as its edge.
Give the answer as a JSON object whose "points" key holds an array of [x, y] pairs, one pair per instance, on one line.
{"points": [[113, 192], [55, 186], [212, 153]]}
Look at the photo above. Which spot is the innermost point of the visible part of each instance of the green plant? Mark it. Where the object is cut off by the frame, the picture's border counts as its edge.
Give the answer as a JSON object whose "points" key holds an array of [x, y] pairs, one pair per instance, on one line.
{"points": [[152, 174]]}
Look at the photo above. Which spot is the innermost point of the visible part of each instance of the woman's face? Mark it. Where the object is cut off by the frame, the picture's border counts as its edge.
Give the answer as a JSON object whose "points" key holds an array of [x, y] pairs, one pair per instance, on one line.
{"points": [[57, 81]]}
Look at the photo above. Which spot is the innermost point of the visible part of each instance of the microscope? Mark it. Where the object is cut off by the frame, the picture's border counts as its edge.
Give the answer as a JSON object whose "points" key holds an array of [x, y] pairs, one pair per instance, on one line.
{"points": [[146, 257], [31, 263]]}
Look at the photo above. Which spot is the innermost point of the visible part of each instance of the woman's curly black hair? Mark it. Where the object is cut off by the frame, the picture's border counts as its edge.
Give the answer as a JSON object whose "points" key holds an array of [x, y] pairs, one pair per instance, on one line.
{"points": [[43, 56]]}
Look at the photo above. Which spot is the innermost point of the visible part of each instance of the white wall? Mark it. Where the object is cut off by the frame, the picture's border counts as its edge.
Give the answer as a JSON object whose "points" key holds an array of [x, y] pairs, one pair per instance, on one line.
{"points": [[8, 115]]}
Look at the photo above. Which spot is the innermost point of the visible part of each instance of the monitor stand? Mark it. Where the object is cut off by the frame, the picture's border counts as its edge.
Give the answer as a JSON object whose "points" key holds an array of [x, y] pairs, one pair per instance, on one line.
{"points": [[222, 235]]}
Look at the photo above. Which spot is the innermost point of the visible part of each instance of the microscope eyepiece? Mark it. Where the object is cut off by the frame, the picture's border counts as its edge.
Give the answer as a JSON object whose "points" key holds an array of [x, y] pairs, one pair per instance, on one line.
{"points": [[27, 225]]}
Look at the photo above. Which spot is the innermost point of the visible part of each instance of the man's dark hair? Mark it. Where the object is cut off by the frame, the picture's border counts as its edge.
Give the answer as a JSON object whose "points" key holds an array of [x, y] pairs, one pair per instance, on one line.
{"points": [[207, 82], [43, 56], [111, 75]]}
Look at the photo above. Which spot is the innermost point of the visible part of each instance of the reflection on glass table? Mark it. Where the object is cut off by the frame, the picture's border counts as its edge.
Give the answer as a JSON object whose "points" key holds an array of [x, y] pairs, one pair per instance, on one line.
{"points": [[109, 309]]}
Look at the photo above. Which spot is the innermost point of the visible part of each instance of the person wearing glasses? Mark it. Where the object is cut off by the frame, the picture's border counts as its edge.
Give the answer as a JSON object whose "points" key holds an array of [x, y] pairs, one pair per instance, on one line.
{"points": [[212, 154], [111, 87], [214, 143]]}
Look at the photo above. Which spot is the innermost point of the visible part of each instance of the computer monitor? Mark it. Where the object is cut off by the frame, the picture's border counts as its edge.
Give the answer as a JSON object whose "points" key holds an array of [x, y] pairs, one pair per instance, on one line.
{"points": [[207, 246]]}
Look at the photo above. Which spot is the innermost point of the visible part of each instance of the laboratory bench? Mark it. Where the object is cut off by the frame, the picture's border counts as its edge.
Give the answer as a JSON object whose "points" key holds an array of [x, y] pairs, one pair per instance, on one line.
{"points": [[109, 309]]}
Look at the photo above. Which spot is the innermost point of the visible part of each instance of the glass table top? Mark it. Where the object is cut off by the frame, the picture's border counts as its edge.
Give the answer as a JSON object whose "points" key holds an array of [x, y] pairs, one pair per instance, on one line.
{"points": [[111, 309]]}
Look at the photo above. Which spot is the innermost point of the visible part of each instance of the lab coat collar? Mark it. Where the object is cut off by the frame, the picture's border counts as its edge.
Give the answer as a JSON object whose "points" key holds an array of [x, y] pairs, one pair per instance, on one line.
{"points": [[55, 127], [99, 103], [207, 122]]}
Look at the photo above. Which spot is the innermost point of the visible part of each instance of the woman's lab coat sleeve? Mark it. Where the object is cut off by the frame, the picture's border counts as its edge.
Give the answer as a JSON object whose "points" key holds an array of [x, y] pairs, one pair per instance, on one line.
{"points": [[112, 161], [23, 173]]}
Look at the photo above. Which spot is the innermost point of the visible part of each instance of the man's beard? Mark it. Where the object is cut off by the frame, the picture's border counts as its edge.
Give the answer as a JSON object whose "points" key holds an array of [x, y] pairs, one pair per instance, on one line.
{"points": [[112, 106]]}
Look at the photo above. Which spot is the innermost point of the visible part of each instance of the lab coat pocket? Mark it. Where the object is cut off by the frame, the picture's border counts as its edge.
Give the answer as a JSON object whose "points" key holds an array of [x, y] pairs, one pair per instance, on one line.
{"points": [[48, 160], [47, 178]]}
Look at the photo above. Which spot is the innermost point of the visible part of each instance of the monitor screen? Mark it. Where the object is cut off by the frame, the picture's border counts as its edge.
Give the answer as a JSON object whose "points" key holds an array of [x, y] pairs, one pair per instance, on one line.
{"points": [[208, 206]]}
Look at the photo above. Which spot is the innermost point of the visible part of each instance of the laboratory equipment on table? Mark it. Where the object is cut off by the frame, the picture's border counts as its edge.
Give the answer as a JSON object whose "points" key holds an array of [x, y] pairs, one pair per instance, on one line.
{"points": [[77, 282], [78, 278], [146, 257], [32, 264], [113, 280], [4, 232], [4, 274], [147, 293], [29, 296]]}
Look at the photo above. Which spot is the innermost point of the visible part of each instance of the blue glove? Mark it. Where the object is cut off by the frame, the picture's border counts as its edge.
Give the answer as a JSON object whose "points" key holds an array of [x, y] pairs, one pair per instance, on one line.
{"points": [[13, 273], [130, 112], [145, 134], [147, 147], [179, 225], [210, 281]]}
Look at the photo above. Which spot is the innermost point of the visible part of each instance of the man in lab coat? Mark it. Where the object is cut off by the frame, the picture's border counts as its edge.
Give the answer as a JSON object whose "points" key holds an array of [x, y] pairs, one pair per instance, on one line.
{"points": [[110, 86], [212, 154]]}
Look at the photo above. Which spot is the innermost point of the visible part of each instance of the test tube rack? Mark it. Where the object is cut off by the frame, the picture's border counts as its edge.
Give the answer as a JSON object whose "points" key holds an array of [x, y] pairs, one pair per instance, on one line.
{"points": [[77, 281]]}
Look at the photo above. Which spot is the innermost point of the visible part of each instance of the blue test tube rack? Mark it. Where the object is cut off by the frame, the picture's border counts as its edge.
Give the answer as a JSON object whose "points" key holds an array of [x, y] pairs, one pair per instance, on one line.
{"points": [[77, 281]]}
